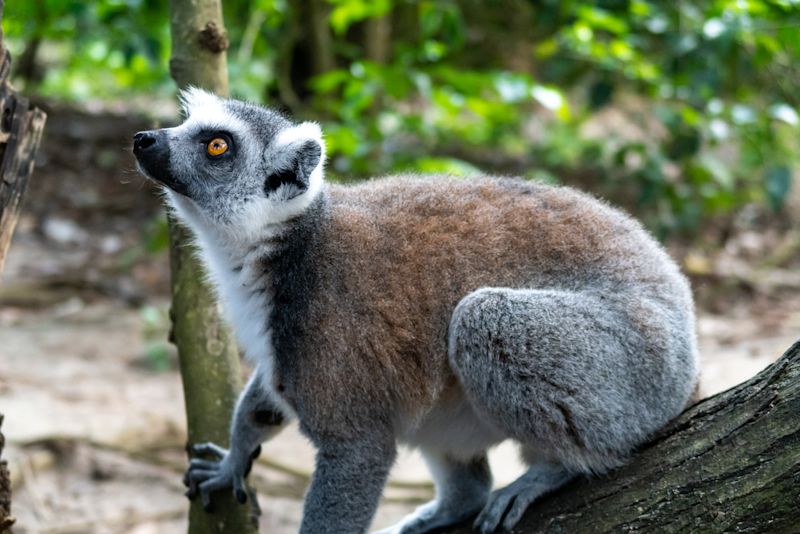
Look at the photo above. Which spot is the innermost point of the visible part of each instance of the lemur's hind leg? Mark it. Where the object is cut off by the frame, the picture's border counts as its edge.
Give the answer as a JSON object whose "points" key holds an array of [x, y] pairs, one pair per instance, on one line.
{"points": [[562, 373], [462, 489]]}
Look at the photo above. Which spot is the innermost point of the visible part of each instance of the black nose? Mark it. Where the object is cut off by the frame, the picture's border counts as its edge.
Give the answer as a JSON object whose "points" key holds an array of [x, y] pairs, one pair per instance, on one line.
{"points": [[142, 141]]}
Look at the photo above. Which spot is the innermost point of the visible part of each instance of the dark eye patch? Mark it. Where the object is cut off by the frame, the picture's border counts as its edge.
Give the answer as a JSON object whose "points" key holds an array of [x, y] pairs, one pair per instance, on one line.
{"points": [[275, 180]]}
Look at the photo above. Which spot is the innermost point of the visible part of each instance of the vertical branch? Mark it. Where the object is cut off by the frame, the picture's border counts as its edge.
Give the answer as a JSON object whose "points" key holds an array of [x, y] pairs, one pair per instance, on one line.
{"points": [[208, 356], [377, 38], [319, 35]]}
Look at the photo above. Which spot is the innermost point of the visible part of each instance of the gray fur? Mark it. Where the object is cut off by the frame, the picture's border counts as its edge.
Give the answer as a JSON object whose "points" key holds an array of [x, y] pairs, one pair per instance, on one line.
{"points": [[446, 314], [507, 347]]}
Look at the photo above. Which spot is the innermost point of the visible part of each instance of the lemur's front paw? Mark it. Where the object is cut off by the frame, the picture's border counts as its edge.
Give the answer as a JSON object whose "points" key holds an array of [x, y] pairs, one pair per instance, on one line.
{"points": [[225, 471]]}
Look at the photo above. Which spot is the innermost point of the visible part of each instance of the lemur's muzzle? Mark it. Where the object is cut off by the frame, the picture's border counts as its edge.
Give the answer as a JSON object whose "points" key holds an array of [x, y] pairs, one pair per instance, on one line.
{"points": [[151, 149]]}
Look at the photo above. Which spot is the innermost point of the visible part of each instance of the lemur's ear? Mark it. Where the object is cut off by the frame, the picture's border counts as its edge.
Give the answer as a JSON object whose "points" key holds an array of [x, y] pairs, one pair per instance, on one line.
{"points": [[296, 154]]}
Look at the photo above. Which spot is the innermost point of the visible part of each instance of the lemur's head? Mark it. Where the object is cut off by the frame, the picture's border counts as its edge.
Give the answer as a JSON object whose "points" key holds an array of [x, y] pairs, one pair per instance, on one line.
{"points": [[232, 166]]}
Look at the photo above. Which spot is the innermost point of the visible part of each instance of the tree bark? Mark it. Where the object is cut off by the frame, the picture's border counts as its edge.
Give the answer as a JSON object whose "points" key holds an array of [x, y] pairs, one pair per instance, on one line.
{"points": [[378, 38], [319, 35], [730, 463], [6, 520], [20, 132], [209, 360]]}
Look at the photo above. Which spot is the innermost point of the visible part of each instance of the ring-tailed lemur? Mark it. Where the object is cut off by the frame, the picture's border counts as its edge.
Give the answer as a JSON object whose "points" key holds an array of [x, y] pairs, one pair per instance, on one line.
{"points": [[449, 314]]}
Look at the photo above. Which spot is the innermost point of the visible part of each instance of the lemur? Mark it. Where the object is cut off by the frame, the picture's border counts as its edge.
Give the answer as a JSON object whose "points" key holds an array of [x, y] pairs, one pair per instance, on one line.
{"points": [[445, 313]]}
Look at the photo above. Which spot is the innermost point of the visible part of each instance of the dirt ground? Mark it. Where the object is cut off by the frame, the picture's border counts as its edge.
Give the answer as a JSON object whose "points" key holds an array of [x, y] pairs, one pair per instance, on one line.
{"points": [[89, 388]]}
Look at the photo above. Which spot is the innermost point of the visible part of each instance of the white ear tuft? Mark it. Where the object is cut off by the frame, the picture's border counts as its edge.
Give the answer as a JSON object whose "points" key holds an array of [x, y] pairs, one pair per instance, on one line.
{"points": [[196, 99], [306, 131]]}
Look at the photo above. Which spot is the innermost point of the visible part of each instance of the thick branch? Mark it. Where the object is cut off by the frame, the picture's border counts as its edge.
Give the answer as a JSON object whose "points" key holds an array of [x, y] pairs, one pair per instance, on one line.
{"points": [[730, 463]]}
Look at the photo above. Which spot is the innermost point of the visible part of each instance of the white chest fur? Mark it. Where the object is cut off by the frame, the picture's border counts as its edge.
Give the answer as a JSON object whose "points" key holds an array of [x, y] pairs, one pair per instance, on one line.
{"points": [[246, 294], [244, 287]]}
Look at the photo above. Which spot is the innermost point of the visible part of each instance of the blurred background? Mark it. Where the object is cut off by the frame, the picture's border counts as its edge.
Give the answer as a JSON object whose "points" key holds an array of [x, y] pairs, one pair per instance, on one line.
{"points": [[683, 113]]}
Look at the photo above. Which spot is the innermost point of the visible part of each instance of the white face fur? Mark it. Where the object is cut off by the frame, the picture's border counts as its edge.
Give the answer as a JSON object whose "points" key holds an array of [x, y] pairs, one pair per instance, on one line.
{"points": [[271, 171]]}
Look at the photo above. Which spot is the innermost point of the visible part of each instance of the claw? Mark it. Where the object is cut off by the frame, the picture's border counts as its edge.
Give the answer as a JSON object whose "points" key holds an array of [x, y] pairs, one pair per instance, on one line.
{"points": [[206, 488], [205, 498], [191, 485], [239, 490]]}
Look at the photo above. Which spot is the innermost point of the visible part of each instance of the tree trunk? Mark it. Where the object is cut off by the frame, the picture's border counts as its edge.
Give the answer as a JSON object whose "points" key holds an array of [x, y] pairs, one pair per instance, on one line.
{"points": [[5, 489], [20, 132], [209, 360], [378, 38], [319, 35], [730, 463], [305, 50]]}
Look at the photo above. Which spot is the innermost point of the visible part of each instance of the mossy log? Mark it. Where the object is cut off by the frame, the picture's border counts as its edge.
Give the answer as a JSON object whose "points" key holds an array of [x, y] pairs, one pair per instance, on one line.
{"points": [[730, 463]]}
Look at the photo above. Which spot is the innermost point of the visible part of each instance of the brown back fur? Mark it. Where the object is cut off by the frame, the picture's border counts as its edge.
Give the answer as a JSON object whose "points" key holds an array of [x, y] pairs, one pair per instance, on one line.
{"points": [[397, 256]]}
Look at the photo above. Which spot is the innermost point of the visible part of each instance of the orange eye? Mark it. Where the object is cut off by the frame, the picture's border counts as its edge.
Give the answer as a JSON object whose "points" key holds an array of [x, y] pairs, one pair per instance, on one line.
{"points": [[217, 147]]}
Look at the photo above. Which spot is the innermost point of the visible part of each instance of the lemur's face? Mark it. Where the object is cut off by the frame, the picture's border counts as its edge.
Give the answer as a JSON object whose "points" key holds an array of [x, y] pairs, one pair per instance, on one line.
{"points": [[233, 165]]}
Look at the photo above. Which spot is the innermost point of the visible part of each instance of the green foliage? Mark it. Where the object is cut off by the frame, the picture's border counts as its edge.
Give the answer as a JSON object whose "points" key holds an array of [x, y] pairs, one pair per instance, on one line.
{"points": [[92, 49], [709, 118], [720, 73], [254, 28], [682, 110], [347, 12]]}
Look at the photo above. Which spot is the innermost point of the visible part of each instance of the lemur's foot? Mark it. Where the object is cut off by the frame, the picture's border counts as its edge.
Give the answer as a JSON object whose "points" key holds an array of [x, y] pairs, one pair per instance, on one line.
{"points": [[433, 516], [507, 505], [225, 471]]}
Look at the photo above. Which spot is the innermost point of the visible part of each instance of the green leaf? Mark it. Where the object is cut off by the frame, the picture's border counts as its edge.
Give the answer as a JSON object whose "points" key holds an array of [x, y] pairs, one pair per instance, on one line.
{"points": [[347, 12]]}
